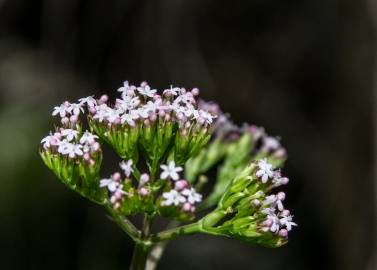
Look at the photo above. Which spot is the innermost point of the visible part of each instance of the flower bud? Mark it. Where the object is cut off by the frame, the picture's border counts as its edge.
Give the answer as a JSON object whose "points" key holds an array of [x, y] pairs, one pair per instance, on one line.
{"points": [[195, 91], [86, 156], [116, 177], [96, 146], [143, 192], [103, 99], [65, 121], [181, 184], [92, 110], [144, 178], [186, 207], [281, 196], [73, 119], [283, 233]]}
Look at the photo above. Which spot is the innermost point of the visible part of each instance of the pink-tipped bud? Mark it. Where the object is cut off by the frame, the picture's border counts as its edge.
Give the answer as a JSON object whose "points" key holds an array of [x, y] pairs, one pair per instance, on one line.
{"points": [[143, 192], [167, 117], [180, 116], [267, 223], [118, 194], [96, 146], [73, 119], [186, 207], [147, 122], [183, 91], [255, 202], [283, 233], [167, 93], [65, 121], [265, 229], [66, 103], [280, 153], [161, 113], [153, 117], [201, 121], [143, 84], [284, 180], [193, 209], [104, 98], [144, 178], [281, 196], [91, 162], [92, 110], [116, 176], [181, 184], [86, 156], [195, 91]]}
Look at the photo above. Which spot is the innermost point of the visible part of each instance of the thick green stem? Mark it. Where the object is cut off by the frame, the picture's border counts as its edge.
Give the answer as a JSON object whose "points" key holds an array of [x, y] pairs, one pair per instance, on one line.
{"points": [[142, 246]]}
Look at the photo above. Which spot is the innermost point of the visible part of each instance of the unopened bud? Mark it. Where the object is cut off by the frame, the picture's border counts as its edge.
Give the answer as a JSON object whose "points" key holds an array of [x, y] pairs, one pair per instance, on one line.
{"points": [[143, 191], [186, 207], [116, 176], [195, 91], [283, 233], [144, 178], [181, 184]]}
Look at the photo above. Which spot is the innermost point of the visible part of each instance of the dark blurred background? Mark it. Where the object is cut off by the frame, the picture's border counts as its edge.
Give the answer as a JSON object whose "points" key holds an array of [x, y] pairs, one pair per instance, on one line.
{"points": [[303, 69]]}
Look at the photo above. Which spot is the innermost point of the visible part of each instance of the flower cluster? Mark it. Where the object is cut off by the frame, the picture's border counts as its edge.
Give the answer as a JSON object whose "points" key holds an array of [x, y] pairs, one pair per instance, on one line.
{"points": [[182, 194], [177, 195], [278, 220], [67, 142], [169, 134]]}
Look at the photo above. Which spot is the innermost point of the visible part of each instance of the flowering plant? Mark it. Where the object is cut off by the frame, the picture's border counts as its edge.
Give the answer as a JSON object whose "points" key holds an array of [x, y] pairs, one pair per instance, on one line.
{"points": [[177, 139]]}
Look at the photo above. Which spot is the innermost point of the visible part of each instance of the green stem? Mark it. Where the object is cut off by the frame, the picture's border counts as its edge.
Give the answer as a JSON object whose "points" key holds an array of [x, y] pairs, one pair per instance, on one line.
{"points": [[142, 246], [175, 232], [124, 224]]}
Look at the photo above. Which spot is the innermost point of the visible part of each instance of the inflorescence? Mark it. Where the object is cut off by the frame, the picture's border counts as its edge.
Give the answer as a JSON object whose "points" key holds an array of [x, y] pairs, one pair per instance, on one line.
{"points": [[179, 139]]}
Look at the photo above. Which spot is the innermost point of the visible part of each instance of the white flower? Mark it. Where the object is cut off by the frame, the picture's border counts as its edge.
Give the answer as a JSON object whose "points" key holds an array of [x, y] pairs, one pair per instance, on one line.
{"points": [[126, 87], [192, 195], [127, 103], [204, 115], [110, 184], [274, 201], [112, 115], [129, 117], [126, 167], [287, 222], [173, 197], [173, 91], [102, 112], [152, 106], [70, 134], [90, 101], [170, 171], [145, 90], [88, 138], [49, 141], [75, 108], [265, 170], [143, 113], [70, 149], [186, 98], [62, 110]]}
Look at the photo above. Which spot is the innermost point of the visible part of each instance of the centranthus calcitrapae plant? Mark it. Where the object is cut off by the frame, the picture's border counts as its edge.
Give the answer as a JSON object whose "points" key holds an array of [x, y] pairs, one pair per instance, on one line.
{"points": [[177, 139]]}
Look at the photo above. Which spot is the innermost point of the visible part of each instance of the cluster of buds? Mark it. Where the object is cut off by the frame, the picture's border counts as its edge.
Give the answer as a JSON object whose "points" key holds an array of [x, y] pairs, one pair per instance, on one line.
{"points": [[75, 157], [255, 215], [173, 196]]}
